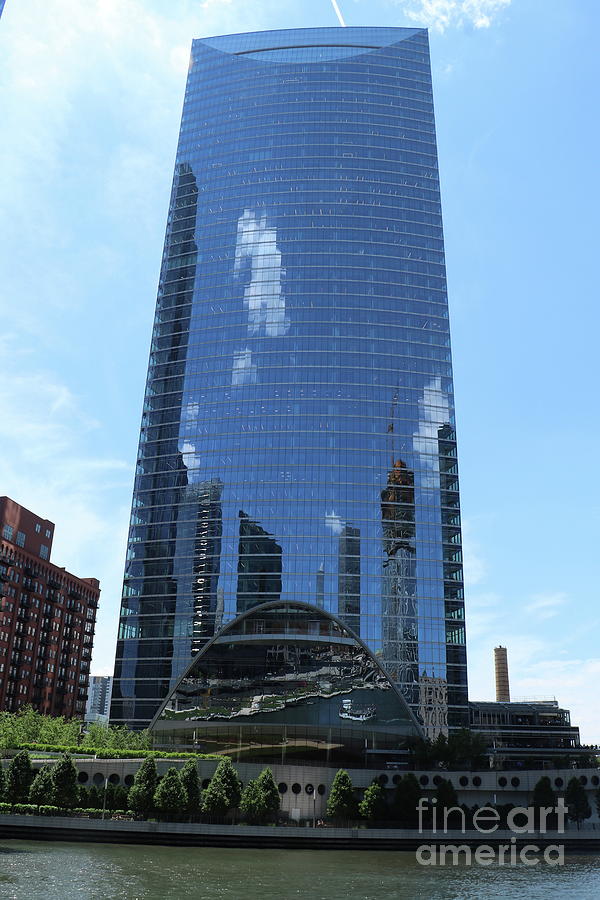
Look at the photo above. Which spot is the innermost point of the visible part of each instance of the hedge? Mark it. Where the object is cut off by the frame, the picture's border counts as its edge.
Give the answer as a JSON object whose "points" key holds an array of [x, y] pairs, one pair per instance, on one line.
{"points": [[107, 753], [30, 809]]}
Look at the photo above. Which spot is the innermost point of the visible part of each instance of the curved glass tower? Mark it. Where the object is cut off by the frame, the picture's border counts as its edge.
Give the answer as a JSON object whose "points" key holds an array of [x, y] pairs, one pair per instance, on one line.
{"points": [[298, 441]]}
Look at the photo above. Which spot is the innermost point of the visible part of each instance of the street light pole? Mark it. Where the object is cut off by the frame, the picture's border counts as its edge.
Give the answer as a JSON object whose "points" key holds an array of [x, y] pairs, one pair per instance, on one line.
{"points": [[104, 802]]}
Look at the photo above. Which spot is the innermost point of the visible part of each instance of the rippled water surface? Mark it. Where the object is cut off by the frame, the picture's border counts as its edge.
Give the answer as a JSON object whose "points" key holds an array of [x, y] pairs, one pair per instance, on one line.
{"points": [[32, 871]]}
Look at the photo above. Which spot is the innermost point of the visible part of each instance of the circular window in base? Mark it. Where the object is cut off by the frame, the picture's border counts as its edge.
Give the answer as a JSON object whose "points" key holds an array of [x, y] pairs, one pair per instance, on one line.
{"points": [[82, 777], [282, 787], [502, 781], [477, 781], [128, 780], [321, 789], [296, 788], [310, 788]]}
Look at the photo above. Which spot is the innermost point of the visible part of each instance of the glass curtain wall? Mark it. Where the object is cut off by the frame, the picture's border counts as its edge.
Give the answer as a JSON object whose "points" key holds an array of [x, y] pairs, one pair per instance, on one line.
{"points": [[298, 438]]}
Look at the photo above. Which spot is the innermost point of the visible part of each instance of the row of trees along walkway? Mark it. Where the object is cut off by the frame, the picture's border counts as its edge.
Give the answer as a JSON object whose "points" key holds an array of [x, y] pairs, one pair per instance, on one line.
{"points": [[399, 808], [177, 795]]}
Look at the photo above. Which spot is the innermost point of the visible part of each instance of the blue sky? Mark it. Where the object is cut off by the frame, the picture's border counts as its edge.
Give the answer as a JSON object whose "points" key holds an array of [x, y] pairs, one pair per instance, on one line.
{"points": [[90, 100]]}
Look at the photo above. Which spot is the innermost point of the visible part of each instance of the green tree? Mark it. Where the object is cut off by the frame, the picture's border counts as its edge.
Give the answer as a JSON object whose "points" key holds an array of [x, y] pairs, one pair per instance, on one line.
{"points": [[253, 804], [373, 806], [446, 795], [170, 798], [576, 802], [191, 783], [121, 797], [93, 798], [2, 783], [141, 793], [270, 793], [215, 802], [440, 750], [466, 749], [543, 796], [421, 750], [64, 783], [18, 778], [226, 775], [447, 799], [341, 804], [116, 797], [406, 800], [116, 737], [41, 790]]}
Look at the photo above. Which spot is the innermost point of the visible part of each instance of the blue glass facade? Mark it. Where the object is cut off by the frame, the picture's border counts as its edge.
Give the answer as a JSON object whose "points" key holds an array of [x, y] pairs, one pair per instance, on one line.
{"points": [[298, 438]]}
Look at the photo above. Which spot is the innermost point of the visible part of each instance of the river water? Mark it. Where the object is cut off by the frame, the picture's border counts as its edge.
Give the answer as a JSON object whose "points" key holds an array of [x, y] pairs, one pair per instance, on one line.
{"points": [[46, 871]]}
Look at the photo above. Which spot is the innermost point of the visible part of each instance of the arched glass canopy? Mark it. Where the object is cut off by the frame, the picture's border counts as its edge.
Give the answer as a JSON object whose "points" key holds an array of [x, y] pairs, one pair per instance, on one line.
{"points": [[282, 681]]}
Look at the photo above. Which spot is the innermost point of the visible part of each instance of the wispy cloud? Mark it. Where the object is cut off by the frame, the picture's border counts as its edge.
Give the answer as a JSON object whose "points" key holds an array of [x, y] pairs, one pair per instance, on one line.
{"points": [[546, 606], [443, 14]]}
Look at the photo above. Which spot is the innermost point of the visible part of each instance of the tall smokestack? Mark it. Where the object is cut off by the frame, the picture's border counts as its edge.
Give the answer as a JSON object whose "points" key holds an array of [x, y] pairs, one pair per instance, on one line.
{"points": [[501, 666]]}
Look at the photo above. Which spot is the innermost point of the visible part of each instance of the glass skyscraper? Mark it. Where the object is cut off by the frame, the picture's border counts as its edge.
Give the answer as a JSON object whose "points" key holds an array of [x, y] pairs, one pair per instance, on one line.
{"points": [[298, 446]]}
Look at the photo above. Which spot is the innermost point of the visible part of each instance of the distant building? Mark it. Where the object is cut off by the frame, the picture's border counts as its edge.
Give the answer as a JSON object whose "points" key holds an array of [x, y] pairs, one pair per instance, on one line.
{"points": [[98, 702], [47, 620], [531, 734]]}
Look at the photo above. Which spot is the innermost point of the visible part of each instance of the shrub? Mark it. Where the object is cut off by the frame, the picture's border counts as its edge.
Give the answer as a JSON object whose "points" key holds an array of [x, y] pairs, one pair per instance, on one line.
{"points": [[25, 809], [5, 809], [2, 782], [49, 810]]}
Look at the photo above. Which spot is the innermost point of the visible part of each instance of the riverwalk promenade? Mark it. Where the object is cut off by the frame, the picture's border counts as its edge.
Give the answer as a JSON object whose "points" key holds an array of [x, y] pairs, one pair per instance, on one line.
{"points": [[64, 828]]}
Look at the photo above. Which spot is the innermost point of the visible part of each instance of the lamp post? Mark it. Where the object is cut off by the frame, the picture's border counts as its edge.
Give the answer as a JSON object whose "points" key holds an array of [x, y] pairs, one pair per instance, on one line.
{"points": [[104, 801]]}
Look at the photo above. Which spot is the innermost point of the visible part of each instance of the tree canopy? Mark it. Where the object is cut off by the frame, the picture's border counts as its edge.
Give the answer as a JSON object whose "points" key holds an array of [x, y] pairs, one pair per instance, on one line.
{"points": [[170, 798], [141, 793], [341, 804], [41, 791], [373, 806], [576, 802], [19, 778]]}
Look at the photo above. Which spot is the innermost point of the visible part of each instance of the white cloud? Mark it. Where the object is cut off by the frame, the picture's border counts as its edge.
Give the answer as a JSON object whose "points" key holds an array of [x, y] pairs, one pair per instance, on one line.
{"points": [[50, 466], [473, 563], [443, 14], [546, 606], [334, 522]]}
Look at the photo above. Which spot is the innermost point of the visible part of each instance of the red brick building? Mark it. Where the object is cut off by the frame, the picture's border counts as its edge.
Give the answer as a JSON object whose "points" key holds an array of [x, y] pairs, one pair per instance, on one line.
{"points": [[47, 620]]}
